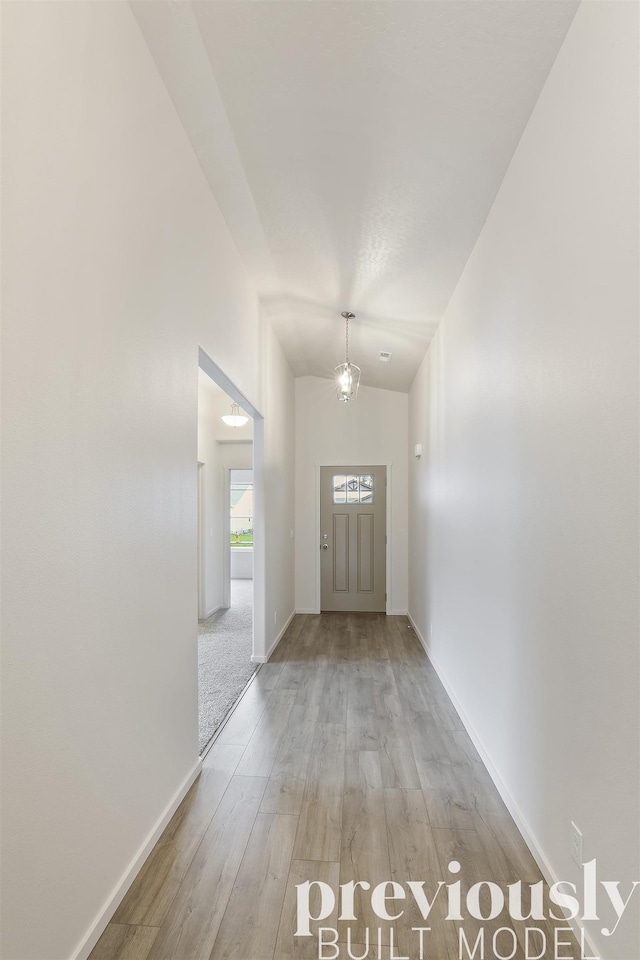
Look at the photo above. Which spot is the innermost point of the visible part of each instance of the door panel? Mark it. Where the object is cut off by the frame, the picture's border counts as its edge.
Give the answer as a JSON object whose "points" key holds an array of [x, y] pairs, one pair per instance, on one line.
{"points": [[353, 504], [340, 553], [366, 564]]}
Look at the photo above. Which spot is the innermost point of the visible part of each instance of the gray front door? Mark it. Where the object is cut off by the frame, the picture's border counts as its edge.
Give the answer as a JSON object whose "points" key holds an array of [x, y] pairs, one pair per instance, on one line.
{"points": [[353, 503]]}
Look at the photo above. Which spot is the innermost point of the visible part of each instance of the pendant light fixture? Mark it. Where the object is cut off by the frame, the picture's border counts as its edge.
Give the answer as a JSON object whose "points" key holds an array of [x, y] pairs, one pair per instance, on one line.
{"points": [[235, 418], [347, 374]]}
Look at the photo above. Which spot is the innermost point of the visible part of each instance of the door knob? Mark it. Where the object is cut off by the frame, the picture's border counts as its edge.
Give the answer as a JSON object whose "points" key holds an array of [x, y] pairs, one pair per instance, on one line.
{"points": [[325, 546]]}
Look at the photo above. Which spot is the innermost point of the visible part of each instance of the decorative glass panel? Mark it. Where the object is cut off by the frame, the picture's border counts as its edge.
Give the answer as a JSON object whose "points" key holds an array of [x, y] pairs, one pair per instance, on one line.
{"points": [[353, 492], [340, 489], [366, 489], [353, 489]]}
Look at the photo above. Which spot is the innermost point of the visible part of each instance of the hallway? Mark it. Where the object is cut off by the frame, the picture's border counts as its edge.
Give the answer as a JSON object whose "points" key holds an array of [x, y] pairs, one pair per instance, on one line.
{"points": [[345, 760]]}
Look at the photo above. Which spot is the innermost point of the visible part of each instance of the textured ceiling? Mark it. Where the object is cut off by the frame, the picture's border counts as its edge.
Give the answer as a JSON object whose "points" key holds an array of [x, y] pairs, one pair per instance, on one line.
{"points": [[355, 149]]}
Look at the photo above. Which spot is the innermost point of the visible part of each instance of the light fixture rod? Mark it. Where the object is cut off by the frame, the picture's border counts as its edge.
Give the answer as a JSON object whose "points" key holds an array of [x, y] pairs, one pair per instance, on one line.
{"points": [[347, 316]]}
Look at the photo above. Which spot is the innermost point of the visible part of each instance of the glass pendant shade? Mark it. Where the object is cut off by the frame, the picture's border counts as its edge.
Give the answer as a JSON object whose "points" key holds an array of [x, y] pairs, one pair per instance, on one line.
{"points": [[347, 381], [235, 418]]}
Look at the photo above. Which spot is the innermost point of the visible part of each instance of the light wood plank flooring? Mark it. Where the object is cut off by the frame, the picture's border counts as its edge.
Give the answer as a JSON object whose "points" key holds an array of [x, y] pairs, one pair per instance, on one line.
{"points": [[345, 760]]}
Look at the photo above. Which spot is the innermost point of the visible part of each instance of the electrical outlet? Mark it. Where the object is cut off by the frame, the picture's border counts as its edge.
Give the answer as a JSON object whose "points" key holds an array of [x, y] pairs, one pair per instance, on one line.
{"points": [[575, 844], [430, 631], [275, 619]]}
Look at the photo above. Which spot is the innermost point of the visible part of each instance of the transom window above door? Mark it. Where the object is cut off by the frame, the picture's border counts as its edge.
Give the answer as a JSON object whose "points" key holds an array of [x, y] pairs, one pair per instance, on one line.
{"points": [[351, 488]]}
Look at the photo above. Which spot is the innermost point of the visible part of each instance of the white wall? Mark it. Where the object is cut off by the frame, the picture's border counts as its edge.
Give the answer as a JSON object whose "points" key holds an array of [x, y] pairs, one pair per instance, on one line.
{"points": [[236, 456], [279, 478], [524, 551], [117, 265], [370, 430]]}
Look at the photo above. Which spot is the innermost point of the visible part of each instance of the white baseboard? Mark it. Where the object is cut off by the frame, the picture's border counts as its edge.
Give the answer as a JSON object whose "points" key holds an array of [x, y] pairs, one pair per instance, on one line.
{"points": [[275, 642], [99, 924], [527, 834], [220, 606], [389, 613], [423, 642]]}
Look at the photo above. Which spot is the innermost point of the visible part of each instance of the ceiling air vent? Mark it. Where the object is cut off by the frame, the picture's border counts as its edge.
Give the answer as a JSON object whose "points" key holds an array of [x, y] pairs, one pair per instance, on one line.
{"points": [[385, 356]]}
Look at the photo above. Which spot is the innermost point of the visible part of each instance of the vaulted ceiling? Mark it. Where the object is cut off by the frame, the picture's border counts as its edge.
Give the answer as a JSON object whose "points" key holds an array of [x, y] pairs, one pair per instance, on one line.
{"points": [[355, 148]]}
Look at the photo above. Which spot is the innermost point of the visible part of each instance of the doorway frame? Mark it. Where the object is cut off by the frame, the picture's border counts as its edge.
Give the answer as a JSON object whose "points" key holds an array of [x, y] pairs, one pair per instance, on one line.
{"points": [[211, 368], [388, 525], [226, 533], [202, 552]]}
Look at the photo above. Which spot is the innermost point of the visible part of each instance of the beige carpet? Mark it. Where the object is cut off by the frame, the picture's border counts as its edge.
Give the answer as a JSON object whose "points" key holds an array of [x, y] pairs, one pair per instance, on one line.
{"points": [[224, 659]]}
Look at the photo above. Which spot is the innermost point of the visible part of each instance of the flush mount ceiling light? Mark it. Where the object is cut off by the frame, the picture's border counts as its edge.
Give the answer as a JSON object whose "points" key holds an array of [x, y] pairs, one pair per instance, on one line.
{"points": [[347, 374], [235, 418]]}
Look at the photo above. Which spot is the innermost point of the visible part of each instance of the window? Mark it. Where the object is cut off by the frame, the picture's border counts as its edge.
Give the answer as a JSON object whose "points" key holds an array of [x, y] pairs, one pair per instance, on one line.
{"points": [[353, 489], [241, 512]]}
